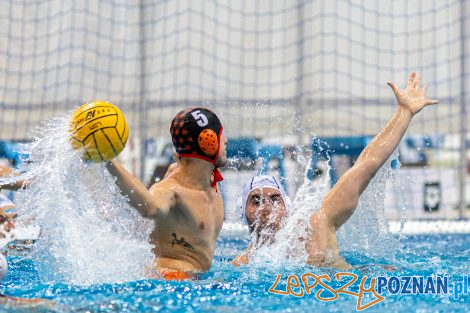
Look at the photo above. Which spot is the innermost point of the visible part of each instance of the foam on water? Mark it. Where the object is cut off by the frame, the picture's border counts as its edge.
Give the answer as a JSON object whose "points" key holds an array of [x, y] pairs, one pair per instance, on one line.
{"points": [[89, 233]]}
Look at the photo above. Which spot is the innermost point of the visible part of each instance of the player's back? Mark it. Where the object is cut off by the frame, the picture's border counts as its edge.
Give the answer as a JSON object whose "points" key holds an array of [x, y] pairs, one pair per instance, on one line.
{"points": [[185, 237]]}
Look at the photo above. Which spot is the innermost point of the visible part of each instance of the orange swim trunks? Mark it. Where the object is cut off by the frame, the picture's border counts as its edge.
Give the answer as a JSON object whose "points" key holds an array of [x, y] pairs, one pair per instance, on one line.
{"points": [[177, 275]]}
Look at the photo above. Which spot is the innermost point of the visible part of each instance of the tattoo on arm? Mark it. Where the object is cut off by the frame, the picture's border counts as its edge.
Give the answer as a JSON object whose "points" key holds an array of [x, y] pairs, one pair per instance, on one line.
{"points": [[182, 242]]}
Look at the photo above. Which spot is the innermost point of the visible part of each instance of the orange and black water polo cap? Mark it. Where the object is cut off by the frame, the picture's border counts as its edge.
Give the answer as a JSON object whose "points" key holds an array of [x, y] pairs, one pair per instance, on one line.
{"points": [[196, 133]]}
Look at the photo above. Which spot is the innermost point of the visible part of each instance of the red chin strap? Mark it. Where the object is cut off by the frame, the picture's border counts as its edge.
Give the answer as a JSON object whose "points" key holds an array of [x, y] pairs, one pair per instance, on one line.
{"points": [[217, 177]]}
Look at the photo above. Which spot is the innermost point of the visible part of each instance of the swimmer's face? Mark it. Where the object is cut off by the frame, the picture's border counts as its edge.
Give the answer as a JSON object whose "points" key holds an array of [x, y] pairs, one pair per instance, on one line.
{"points": [[222, 159], [265, 210]]}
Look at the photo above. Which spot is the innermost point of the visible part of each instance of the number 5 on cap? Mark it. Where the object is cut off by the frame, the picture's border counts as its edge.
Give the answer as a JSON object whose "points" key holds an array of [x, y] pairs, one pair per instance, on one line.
{"points": [[200, 118]]}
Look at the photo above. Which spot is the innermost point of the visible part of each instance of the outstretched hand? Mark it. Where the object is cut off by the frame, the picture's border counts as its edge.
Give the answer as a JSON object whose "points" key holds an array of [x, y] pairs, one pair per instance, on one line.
{"points": [[413, 98]]}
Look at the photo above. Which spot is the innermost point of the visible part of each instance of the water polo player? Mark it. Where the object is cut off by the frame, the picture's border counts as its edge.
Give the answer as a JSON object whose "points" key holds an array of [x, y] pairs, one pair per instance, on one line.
{"points": [[186, 205], [266, 207]]}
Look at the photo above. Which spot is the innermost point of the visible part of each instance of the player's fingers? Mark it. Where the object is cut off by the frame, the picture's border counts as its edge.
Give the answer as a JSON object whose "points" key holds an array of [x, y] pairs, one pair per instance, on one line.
{"points": [[394, 87], [416, 82], [432, 101], [411, 79]]}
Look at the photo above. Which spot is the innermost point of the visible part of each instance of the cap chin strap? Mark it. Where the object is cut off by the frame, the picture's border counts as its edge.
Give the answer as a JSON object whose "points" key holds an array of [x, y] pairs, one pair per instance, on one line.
{"points": [[217, 174], [217, 177]]}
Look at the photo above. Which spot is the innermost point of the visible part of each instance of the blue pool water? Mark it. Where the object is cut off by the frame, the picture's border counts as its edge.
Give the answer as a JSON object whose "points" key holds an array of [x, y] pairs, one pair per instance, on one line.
{"points": [[245, 289]]}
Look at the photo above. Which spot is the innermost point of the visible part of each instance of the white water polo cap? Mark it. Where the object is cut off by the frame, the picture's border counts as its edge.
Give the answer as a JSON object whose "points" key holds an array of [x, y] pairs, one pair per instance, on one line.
{"points": [[261, 181], [3, 266]]}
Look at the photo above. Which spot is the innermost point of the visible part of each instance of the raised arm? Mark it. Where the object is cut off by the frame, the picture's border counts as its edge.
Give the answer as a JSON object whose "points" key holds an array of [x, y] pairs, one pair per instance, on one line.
{"points": [[157, 201], [342, 200]]}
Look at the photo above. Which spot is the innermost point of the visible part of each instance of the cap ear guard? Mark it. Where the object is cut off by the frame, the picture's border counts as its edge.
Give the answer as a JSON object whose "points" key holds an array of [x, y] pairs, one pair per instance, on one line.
{"points": [[208, 142]]}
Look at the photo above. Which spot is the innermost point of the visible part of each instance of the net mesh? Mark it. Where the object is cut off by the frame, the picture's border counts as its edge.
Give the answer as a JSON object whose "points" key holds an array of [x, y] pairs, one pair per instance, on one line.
{"points": [[281, 71]]}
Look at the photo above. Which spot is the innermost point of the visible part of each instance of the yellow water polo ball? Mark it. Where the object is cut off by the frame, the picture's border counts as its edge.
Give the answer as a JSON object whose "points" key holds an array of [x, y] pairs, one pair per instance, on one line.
{"points": [[99, 128]]}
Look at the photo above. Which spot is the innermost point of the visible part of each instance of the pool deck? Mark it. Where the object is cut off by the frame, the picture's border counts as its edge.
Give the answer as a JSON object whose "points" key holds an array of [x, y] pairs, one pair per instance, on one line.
{"points": [[415, 227], [240, 230]]}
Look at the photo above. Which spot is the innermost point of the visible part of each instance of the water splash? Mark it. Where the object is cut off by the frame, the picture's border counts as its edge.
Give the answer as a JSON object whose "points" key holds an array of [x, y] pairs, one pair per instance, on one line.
{"points": [[289, 243], [365, 232], [89, 233], [367, 229]]}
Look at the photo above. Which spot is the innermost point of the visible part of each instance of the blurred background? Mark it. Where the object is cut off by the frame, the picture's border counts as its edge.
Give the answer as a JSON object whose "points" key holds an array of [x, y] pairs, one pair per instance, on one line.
{"points": [[289, 80]]}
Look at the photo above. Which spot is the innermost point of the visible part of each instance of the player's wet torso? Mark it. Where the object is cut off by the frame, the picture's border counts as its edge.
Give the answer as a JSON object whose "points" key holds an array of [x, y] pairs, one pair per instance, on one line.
{"points": [[185, 238]]}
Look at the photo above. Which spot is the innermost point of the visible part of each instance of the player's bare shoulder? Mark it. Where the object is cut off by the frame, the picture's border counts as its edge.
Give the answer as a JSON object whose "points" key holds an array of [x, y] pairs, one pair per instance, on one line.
{"points": [[171, 191], [164, 193], [169, 184]]}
